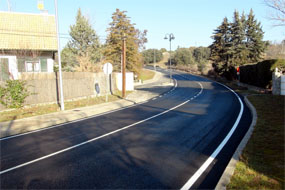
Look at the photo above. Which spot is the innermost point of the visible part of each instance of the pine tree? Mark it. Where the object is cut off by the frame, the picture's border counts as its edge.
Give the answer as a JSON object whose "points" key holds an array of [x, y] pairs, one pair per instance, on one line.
{"points": [[220, 48], [68, 59], [237, 43], [120, 28], [238, 49], [84, 40], [254, 36]]}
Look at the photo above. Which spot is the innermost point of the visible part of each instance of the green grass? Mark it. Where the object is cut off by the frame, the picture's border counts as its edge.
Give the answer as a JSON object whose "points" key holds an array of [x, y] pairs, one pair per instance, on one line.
{"points": [[146, 75], [50, 108], [261, 165]]}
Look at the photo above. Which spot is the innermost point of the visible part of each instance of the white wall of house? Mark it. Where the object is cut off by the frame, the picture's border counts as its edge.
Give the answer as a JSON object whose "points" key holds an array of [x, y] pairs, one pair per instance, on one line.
{"points": [[13, 70], [50, 64], [13, 65]]}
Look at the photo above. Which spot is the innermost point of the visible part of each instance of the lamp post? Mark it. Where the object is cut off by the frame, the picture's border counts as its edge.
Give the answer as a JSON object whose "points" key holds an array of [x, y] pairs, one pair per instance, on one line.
{"points": [[170, 37]]}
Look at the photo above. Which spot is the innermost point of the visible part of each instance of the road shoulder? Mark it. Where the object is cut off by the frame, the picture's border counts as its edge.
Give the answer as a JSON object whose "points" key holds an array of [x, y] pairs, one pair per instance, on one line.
{"points": [[225, 179]]}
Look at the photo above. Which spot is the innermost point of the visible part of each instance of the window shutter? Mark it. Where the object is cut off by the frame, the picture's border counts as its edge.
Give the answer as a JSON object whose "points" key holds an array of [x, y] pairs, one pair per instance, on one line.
{"points": [[43, 65], [4, 69], [21, 65]]}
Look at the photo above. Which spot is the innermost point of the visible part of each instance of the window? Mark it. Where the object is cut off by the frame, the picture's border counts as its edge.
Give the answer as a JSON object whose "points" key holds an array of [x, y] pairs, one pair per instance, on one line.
{"points": [[32, 65]]}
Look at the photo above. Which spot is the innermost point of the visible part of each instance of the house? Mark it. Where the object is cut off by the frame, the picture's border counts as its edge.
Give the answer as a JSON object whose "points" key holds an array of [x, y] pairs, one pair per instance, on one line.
{"points": [[28, 43]]}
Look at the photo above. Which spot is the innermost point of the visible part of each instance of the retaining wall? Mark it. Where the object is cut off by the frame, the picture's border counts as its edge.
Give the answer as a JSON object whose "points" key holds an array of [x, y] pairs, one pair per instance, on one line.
{"points": [[45, 86]]}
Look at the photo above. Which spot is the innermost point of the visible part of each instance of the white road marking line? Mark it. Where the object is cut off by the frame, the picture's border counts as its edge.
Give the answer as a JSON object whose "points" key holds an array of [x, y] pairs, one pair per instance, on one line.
{"points": [[206, 164], [69, 122], [96, 138]]}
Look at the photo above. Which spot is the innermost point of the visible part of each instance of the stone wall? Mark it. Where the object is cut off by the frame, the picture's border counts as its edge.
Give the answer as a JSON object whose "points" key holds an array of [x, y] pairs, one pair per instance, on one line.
{"points": [[45, 86]]}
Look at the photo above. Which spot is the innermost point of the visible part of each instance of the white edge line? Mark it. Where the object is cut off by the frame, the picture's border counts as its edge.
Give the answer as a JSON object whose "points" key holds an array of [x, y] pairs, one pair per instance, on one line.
{"points": [[96, 138], [205, 165], [77, 120]]}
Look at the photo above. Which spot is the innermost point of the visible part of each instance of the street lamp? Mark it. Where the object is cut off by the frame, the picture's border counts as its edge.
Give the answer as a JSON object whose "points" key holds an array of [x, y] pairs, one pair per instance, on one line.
{"points": [[170, 37]]}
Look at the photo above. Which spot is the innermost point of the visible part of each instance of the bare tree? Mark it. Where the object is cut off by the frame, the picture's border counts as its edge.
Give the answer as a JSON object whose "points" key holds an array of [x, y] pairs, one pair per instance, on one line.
{"points": [[86, 65], [279, 11]]}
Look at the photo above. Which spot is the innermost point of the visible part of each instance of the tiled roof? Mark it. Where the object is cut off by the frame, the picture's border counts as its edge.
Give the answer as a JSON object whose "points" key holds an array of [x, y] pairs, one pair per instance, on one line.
{"points": [[27, 31]]}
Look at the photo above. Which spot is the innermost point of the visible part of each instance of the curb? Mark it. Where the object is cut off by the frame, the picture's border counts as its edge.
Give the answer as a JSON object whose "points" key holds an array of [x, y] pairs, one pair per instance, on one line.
{"points": [[226, 176], [7, 129]]}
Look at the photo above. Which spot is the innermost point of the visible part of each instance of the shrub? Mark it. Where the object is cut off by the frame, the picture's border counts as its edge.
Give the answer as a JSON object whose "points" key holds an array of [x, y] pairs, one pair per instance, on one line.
{"points": [[206, 69], [13, 94], [148, 56], [280, 64], [183, 56]]}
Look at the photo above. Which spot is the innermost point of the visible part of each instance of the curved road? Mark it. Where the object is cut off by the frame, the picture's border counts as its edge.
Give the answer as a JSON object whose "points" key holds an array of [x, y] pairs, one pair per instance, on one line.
{"points": [[181, 139]]}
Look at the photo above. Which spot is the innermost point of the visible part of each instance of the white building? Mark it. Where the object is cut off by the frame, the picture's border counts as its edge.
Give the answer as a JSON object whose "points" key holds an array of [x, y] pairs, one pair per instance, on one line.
{"points": [[28, 43]]}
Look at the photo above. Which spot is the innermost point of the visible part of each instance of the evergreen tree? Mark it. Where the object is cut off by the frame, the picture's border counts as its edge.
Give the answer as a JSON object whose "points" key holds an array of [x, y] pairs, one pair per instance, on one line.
{"points": [[220, 48], [237, 45], [254, 36], [120, 28], [68, 59], [84, 40]]}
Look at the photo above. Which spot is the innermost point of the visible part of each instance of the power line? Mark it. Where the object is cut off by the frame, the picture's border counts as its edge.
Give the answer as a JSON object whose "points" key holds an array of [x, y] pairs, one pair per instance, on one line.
{"points": [[41, 34], [31, 35], [64, 36]]}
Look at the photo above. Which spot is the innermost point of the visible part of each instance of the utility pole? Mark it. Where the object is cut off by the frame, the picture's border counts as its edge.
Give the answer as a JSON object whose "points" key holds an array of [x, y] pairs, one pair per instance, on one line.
{"points": [[154, 60], [124, 67], [59, 58]]}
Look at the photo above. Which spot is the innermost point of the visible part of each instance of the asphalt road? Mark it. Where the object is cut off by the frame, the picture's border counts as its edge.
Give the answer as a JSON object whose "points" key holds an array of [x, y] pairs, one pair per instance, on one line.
{"points": [[160, 144]]}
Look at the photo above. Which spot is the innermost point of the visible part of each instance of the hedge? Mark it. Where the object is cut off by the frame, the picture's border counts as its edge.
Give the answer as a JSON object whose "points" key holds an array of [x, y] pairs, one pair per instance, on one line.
{"points": [[259, 74]]}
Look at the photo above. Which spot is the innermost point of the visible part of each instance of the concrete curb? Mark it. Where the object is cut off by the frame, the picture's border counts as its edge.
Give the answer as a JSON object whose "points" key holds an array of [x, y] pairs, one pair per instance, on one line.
{"points": [[156, 77], [26, 125], [225, 178]]}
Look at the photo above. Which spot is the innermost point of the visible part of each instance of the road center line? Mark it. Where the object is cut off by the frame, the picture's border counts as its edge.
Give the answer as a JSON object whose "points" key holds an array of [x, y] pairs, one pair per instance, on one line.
{"points": [[102, 136], [206, 164]]}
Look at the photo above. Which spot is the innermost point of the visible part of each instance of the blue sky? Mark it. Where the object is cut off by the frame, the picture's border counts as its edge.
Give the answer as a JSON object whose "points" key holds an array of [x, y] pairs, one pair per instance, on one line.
{"points": [[191, 21]]}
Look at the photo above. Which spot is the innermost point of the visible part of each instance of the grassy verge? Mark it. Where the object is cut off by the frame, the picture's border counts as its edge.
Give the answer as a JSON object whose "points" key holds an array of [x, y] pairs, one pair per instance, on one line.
{"points": [[50, 108], [146, 75], [261, 165]]}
